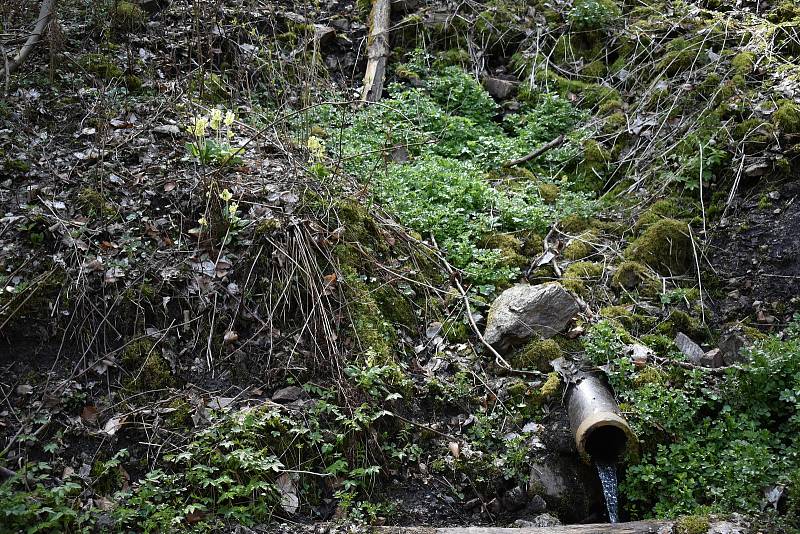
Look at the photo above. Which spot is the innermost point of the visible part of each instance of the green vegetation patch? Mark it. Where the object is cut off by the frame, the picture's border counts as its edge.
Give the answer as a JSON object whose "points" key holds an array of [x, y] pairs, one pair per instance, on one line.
{"points": [[665, 246]]}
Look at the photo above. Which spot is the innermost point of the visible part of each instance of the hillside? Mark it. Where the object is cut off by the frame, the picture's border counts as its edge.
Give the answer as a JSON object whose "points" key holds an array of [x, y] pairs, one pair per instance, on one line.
{"points": [[236, 297]]}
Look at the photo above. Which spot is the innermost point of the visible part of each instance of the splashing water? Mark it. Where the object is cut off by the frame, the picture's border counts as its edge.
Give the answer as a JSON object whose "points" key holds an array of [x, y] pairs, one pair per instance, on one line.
{"points": [[608, 479]]}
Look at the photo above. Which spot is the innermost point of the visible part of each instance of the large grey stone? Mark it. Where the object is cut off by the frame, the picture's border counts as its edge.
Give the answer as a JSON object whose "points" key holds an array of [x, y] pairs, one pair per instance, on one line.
{"points": [[691, 349], [524, 311]]}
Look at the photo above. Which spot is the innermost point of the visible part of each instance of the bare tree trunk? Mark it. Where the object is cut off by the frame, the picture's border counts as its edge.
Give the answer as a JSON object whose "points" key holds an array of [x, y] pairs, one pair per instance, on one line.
{"points": [[45, 16], [377, 50]]}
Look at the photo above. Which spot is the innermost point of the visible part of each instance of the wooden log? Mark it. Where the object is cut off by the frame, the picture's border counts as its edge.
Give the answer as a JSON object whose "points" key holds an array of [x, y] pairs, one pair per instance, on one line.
{"points": [[377, 50], [635, 527]]}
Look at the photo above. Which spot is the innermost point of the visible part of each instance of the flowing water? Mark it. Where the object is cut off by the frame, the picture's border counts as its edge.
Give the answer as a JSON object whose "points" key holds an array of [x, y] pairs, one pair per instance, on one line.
{"points": [[608, 479]]}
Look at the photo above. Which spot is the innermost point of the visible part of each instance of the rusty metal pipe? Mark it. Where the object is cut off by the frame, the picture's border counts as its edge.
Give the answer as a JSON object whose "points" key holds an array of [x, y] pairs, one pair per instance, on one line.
{"points": [[601, 432]]}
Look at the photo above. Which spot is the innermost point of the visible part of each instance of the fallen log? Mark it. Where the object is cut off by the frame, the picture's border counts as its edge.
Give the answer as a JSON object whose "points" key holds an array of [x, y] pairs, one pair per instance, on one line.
{"points": [[377, 50], [635, 527]]}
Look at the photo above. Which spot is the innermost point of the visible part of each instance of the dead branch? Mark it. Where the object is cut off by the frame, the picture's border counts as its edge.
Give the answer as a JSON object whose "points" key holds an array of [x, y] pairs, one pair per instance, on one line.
{"points": [[558, 141], [46, 10], [377, 50]]}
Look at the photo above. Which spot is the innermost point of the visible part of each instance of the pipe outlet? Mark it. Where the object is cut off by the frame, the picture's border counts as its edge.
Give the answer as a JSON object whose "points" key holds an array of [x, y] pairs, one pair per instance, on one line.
{"points": [[601, 432]]}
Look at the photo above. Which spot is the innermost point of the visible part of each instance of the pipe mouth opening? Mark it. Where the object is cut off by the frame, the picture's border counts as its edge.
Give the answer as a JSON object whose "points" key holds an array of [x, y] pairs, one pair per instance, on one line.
{"points": [[606, 443]]}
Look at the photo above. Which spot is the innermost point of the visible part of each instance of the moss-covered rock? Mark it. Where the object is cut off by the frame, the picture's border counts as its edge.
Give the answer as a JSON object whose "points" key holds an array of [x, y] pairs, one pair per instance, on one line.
{"points": [[579, 272], [680, 321], [372, 332], [582, 246], [692, 524], [664, 208], [743, 63], [537, 355], [126, 17], [682, 55], [101, 66], [146, 367], [509, 247], [629, 275], [787, 117], [549, 192], [395, 307], [665, 246]]}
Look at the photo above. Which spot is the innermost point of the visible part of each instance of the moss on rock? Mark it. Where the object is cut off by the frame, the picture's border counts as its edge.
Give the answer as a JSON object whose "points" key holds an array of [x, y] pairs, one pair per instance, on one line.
{"points": [[509, 247], [581, 246], [549, 192], [665, 246], [743, 63], [537, 355], [787, 117], [579, 272], [126, 17], [692, 524], [629, 275], [101, 66], [147, 367]]}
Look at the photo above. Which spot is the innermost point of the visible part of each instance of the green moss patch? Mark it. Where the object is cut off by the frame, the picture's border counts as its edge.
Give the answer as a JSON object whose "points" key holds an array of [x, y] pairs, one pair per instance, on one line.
{"points": [[147, 368], [537, 355], [665, 246]]}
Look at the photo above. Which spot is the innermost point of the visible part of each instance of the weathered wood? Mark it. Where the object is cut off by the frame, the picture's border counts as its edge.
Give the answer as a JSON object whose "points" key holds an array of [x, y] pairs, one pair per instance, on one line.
{"points": [[46, 9], [558, 141], [636, 527], [377, 50]]}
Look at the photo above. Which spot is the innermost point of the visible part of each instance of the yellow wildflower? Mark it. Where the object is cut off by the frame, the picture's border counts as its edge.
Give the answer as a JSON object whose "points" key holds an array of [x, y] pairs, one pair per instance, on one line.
{"points": [[233, 208], [229, 118], [216, 118], [202, 221], [198, 128], [226, 195], [316, 148]]}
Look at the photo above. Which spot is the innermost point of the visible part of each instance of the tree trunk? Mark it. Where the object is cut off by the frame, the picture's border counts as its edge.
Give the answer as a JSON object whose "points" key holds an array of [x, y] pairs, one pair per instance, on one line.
{"points": [[377, 50]]}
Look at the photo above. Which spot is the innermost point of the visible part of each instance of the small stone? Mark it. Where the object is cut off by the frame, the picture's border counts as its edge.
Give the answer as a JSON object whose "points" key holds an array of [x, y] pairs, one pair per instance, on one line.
{"points": [[545, 520], [731, 345], [167, 129], [712, 358], [691, 349], [288, 394], [639, 354], [498, 87]]}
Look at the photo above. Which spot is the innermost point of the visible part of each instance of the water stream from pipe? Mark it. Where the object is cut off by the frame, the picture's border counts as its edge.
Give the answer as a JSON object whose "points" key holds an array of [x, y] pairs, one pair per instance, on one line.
{"points": [[608, 479]]}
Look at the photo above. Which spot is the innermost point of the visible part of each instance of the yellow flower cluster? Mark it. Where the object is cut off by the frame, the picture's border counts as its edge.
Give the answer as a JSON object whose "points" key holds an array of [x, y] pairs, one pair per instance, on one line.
{"points": [[215, 120], [316, 149]]}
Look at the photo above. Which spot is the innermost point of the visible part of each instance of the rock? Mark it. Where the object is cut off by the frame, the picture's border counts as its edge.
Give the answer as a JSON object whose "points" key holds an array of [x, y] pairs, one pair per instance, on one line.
{"points": [[515, 499], [537, 504], [288, 394], [569, 487], [324, 35], [691, 349], [639, 354], [731, 345], [498, 87], [167, 129], [545, 520], [712, 358], [524, 311]]}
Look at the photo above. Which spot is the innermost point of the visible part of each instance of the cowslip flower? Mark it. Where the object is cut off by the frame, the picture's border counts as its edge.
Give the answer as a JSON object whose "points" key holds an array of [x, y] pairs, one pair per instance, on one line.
{"points": [[233, 208], [202, 221], [229, 118], [316, 148], [226, 195], [216, 119], [199, 125]]}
